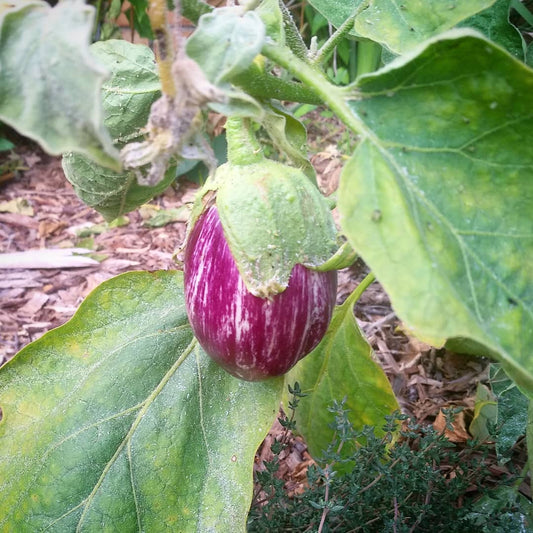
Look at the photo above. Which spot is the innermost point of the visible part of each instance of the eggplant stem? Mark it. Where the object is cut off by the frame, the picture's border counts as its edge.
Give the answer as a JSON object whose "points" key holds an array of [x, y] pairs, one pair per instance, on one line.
{"points": [[243, 146]]}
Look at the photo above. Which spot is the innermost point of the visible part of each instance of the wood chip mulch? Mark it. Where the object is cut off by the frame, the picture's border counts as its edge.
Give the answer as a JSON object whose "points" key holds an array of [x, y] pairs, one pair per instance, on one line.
{"points": [[35, 300]]}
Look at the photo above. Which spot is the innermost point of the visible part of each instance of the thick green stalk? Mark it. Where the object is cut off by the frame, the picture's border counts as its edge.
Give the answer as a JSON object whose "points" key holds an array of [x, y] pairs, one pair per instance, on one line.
{"points": [[243, 146], [323, 54], [362, 287], [334, 97], [529, 437], [293, 37], [368, 57], [97, 19], [328, 47], [522, 10], [260, 84]]}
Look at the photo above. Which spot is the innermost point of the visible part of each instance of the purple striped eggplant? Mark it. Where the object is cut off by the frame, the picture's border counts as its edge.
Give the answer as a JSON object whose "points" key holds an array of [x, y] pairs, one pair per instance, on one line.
{"points": [[253, 338]]}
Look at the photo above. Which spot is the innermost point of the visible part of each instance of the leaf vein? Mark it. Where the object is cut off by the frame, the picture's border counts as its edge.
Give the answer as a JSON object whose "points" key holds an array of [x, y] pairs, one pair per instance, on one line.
{"points": [[145, 406]]}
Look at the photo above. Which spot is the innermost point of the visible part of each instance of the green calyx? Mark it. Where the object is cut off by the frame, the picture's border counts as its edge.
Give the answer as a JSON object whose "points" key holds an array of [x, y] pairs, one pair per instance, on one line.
{"points": [[273, 215], [273, 218]]}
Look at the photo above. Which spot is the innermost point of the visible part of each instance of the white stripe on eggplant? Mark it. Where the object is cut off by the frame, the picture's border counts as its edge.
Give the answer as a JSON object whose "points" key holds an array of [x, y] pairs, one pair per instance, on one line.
{"points": [[251, 337]]}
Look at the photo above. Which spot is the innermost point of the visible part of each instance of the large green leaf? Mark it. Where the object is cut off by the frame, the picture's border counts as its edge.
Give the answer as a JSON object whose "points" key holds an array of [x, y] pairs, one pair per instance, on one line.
{"points": [[399, 25], [117, 421], [402, 25], [127, 99], [438, 198], [341, 366], [51, 82], [494, 24]]}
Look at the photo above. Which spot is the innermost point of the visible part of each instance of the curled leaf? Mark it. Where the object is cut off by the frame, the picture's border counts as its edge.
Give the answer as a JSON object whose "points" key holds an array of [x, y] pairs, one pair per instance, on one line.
{"points": [[174, 125]]}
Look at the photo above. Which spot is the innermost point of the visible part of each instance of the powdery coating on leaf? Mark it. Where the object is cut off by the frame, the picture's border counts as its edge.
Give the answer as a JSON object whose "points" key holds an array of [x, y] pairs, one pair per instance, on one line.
{"points": [[453, 242], [51, 82], [252, 338], [112, 422], [402, 26]]}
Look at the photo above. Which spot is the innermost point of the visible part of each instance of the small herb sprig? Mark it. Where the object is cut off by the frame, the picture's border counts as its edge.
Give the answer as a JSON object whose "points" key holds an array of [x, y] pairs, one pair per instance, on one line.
{"points": [[407, 478]]}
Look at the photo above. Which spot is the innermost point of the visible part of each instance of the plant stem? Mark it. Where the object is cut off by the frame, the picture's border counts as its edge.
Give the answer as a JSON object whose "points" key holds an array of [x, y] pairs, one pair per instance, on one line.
{"points": [[334, 97], [325, 510], [352, 64], [293, 37], [529, 439], [368, 57], [521, 477], [97, 20], [358, 291], [164, 49], [263, 85], [522, 10], [243, 147], [328, 47]]}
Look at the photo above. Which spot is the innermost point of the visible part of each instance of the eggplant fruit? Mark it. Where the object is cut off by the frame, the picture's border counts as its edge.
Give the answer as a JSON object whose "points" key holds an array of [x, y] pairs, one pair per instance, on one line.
{"points": [[252, 338]]}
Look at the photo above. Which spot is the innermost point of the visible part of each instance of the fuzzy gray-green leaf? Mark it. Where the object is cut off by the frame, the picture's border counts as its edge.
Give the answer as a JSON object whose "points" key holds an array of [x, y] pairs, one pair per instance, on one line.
{"points": [[131, 89], [51, 82], [225, 45], [127, 98], [112, 194]]}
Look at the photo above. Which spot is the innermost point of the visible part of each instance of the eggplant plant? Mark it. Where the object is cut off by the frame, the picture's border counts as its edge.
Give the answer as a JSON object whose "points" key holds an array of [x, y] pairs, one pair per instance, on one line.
{"points": [[125, 418]]}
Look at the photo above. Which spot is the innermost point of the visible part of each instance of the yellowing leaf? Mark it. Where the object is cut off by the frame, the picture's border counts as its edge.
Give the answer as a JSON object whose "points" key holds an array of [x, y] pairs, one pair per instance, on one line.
{"points": [[17, 205], [341, 366], [438, 201], [118, 421]]}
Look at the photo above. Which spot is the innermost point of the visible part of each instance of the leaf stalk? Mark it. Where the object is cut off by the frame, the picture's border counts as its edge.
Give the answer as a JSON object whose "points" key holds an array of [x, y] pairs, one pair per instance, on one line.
{"points": [[358, 291], [334, 97], [327, 48]]}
